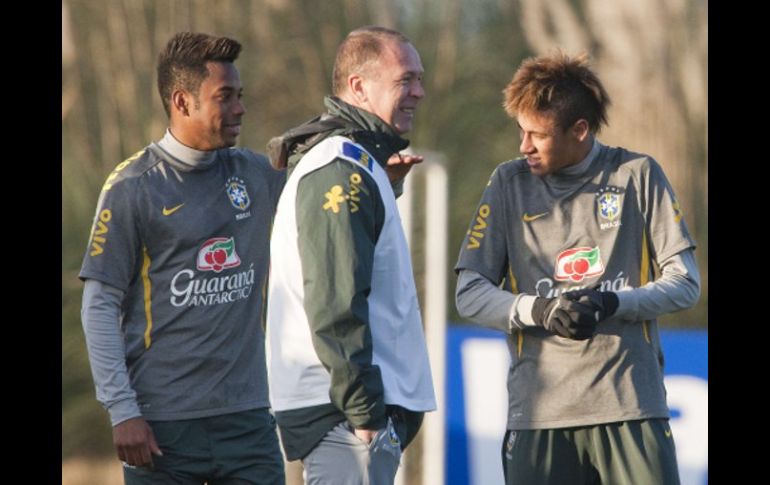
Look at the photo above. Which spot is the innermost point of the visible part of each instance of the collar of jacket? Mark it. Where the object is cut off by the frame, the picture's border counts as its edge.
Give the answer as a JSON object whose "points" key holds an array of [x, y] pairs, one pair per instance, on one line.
{"points": [[372, 133], [341, 118]]}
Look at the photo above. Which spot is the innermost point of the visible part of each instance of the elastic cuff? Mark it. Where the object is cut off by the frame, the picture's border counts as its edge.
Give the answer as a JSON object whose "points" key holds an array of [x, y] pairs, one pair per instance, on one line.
{"points": [[123, 411], [398, 188], [628, 305], [377, 423], [521, 312]]}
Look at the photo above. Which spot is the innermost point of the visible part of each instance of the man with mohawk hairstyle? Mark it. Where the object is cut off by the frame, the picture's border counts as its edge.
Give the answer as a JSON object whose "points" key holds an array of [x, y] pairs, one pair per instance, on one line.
{"points": [[560, 257]]}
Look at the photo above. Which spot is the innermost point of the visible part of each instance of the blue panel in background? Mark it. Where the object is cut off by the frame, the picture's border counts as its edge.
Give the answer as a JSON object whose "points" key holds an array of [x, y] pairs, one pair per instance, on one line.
{"points": [[685, 352], [456, 466]]}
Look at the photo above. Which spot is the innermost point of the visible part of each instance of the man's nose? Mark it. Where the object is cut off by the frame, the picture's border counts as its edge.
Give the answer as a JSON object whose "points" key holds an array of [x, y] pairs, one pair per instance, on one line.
{"points": [[417, 90], [240, 108], [526, 144]]}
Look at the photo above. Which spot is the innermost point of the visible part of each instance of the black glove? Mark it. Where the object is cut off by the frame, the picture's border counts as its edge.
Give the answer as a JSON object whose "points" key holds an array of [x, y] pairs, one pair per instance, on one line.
{"points": [[564, 317], [603, 303]]}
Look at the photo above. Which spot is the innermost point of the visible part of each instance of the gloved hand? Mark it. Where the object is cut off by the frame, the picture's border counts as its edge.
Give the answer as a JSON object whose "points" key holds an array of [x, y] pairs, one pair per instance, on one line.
{"points": [[603, 303], [565, 317]]}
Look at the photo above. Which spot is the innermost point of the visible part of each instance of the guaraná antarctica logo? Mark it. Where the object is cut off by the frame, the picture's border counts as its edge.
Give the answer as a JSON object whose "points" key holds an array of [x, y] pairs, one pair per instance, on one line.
{"points": [[217, 254], [578, 263]]}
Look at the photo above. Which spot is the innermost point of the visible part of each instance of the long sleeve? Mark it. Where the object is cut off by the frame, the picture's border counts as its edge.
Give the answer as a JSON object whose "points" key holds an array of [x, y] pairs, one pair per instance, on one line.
{"points": [[480, 301], [100, 315], [337, 235], [678, 288]]}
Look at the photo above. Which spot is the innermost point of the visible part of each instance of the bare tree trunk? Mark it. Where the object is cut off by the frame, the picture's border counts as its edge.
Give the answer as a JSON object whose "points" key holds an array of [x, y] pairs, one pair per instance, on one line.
{"points": [[149, 111], [104, 98], [447, 51], [70, 78], [123, 85]]}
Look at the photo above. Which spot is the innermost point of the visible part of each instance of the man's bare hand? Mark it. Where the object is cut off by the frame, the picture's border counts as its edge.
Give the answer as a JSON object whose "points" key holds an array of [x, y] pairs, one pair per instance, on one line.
{"points": [[400, 164], [365, 435], [135, 442]]}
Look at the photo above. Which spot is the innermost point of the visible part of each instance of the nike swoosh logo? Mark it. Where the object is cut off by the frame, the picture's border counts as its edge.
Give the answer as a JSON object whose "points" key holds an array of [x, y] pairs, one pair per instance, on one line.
{"points": [[528, 218], [168, 212]]}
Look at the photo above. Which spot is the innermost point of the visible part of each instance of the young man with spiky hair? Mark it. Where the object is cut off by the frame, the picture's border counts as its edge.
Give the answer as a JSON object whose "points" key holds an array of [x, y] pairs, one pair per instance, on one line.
{"points": [[174, 273], [560, 256], [349, 372]]}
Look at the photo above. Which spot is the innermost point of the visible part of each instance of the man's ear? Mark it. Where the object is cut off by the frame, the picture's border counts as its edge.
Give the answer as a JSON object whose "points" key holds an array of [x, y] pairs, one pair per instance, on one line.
{"points": [[581, 129], [357, 88], [180, 102]]}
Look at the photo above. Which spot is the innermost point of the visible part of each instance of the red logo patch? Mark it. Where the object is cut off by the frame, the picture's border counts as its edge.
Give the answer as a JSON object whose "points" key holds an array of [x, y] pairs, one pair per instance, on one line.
{"points": [[578, 263], [217, 254]]}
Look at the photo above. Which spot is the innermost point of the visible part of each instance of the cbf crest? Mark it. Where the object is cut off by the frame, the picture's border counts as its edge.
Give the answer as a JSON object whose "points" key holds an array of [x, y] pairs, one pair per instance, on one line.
{"points": [[609, 203], [237, 193]]}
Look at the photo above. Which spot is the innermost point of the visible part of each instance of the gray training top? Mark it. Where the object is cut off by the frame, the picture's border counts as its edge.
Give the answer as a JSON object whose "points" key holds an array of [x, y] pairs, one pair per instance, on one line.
{"points": [[604, 222], [183, 236]]}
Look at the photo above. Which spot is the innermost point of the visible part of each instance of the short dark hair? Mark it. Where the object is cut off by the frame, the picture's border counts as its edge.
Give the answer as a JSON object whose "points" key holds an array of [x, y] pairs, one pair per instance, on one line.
{"points": [[558, 84], [182, 63], [360, 48]]}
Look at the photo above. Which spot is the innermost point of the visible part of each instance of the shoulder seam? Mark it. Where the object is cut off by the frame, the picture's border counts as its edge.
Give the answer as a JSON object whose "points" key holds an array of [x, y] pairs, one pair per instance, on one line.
{"points": [[341, 154], [512, 167], [353, 164]]}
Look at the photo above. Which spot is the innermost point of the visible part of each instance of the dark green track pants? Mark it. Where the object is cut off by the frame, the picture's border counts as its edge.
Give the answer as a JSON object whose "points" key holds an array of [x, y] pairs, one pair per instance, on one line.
{"points": [[232, 449], [628, 452]]}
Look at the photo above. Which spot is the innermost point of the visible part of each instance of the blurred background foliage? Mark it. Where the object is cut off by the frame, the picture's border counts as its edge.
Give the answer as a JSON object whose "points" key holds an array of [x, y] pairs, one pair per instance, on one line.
{"points": [[652, 56]]}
